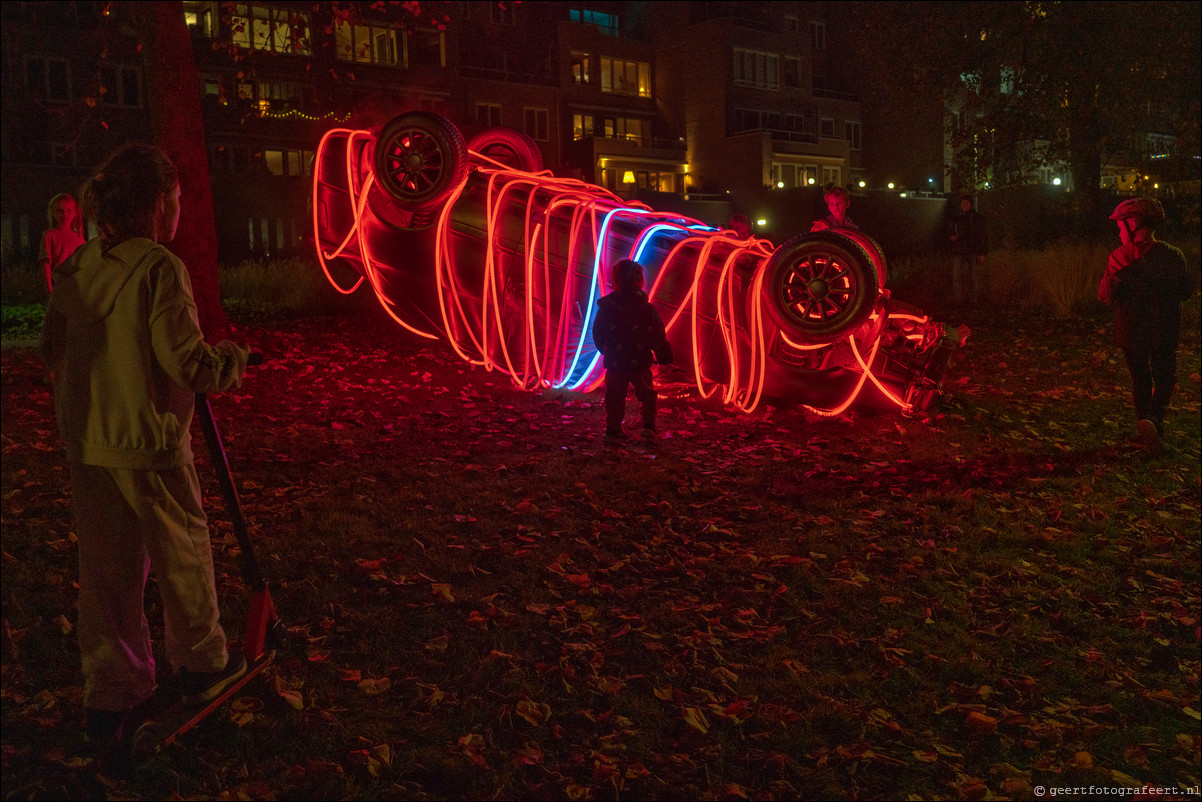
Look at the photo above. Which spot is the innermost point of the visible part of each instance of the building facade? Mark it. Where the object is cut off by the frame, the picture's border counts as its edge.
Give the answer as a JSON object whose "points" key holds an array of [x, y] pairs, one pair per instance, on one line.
{"points": [[668, 101]]}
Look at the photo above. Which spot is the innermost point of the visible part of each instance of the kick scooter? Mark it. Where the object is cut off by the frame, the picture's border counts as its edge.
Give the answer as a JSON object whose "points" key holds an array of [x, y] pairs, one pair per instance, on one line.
{"points": [[263, 625]]}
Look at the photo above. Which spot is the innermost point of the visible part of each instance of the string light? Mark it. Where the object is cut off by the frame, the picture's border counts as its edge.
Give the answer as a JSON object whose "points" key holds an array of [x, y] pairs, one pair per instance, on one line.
{"points": [[293, 113], [707, 284]]}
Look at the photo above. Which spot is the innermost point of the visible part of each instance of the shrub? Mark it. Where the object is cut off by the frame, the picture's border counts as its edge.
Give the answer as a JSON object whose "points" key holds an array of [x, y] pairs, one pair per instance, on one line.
{"points": [[1061, 278], [283, 288], [21, 322], [1067, 277]]}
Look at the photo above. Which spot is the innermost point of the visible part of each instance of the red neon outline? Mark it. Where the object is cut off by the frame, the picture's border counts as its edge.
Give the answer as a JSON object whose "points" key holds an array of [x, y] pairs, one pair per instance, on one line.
{"points": [[542, 362]]}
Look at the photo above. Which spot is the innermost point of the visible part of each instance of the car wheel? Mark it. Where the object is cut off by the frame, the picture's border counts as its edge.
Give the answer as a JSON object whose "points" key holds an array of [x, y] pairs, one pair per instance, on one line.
{"points": [[510, 147], [420, 158], [872, 250], [818, 287]]}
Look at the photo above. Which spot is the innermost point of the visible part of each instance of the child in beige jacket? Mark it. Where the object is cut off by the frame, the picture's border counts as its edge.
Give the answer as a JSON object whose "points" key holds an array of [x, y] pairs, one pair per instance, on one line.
{"points": [[122, 341]]}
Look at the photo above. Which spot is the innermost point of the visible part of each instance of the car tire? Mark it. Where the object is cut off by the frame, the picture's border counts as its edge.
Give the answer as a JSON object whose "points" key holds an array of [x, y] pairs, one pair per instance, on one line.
{"points": [[420, 159], [820, 286], [509, 146], [872, 249]]}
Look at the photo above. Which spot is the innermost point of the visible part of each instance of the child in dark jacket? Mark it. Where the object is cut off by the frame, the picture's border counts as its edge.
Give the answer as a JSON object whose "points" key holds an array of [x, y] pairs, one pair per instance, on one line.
{"points": [[1146, 281], [630, 334]]}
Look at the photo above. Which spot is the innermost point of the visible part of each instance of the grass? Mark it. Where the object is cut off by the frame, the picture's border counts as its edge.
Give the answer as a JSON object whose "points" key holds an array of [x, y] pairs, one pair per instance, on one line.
{"points": [[486, 602]]}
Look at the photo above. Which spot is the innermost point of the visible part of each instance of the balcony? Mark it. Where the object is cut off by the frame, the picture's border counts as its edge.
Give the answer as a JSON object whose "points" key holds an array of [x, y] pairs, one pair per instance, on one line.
{"points": [[780, 135], [835, 94], [509, 76], [671, 149]]}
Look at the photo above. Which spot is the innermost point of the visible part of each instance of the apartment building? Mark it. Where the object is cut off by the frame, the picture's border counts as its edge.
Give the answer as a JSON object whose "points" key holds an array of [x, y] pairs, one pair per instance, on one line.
{"points": [[684, 100], [738, 81]]}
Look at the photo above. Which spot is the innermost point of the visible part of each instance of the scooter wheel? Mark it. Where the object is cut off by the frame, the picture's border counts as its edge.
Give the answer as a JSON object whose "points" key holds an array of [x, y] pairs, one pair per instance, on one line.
{"points": [[146, 743]]}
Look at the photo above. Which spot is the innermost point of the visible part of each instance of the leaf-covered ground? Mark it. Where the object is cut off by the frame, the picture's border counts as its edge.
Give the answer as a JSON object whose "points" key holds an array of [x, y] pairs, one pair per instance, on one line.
{"points": [[485, 601]]}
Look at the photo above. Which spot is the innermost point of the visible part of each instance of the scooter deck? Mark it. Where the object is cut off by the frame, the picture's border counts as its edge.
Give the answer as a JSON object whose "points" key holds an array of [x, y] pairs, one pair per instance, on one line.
{"points": [[165, 728]]}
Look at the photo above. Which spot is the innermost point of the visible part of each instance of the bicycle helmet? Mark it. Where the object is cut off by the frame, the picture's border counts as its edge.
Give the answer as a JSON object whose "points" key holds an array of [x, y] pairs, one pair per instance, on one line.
{"points": [[1144, 208]]}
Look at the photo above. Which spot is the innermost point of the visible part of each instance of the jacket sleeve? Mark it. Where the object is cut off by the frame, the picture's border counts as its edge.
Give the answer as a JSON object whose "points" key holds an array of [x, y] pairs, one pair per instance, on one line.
{"points": [[1109, 286], [663, 349], [600, 327], [51, 341], [1185, 284], [176, 338]]}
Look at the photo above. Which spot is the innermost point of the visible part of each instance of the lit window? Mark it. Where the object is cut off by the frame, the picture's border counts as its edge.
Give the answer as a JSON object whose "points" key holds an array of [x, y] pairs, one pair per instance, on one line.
{"points": [[287, 162], [608, 24], [580, 72], [202, 21], [784, 176], [279, 95], [1009, 76], [582, 126], [625, 77], [367, 44], [259, 27], [630, 129]]}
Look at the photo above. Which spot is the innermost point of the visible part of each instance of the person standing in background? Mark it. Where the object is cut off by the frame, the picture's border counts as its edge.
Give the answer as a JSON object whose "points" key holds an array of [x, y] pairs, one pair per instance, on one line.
{"points": [[63, 234], [838, 201], [741, 225], [970, 243]]}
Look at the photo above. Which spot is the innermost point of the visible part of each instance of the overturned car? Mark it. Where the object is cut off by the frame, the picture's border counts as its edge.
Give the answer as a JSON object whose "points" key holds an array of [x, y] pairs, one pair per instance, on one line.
{"points": [[473, 242]]}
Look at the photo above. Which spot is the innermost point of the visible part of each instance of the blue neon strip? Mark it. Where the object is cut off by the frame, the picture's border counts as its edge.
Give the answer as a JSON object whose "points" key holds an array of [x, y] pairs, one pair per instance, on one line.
{"points": [[592, 300], [650, 235]]}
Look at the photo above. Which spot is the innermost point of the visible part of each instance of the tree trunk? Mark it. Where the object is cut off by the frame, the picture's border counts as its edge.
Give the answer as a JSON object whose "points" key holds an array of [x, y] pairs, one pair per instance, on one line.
{"points": [[173, 95], [1085, 160]]}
